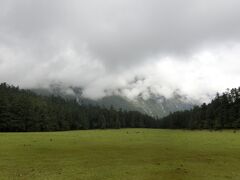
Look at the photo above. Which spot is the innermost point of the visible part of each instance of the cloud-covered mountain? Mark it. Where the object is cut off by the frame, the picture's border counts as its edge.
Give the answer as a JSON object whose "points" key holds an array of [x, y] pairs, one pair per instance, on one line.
{"points": [[190, 45], [154, 105]]}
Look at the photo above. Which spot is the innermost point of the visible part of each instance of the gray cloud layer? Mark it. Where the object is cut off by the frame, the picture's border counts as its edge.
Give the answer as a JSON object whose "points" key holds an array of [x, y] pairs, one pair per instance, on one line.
{"points": [[105, 44]]}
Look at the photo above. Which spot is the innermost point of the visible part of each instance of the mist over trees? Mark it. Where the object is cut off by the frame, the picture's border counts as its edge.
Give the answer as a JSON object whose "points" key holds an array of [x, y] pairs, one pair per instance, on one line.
{"points": [[23, 110], [222, 113]]}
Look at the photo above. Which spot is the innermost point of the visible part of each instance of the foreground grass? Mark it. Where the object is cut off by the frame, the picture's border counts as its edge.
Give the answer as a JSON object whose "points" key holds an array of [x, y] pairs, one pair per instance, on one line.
{"points": [[126, 154]]}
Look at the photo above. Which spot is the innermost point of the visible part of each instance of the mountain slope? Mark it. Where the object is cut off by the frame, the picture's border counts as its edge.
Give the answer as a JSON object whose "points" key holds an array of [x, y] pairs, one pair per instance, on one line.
{"points": [[24, 111], [155, 105], [223, 112]]}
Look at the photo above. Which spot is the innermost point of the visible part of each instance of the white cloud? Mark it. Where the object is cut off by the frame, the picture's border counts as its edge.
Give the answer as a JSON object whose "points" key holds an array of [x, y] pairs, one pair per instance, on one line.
{"points": [[186, 45]]}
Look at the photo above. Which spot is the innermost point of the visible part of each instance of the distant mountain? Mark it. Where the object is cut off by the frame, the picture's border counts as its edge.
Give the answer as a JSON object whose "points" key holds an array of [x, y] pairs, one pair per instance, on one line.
{"points": [[155, 105], [223, 112], [160, 106], [24, 111]]}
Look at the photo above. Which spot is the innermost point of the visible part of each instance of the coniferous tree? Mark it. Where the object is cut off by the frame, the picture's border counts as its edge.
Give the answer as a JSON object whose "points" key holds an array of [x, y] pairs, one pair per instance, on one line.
{"points": [[221, 113]]}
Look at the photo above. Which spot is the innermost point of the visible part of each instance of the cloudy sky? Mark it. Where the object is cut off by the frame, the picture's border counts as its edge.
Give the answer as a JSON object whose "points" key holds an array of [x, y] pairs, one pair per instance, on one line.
{"points": [[192, 46]]}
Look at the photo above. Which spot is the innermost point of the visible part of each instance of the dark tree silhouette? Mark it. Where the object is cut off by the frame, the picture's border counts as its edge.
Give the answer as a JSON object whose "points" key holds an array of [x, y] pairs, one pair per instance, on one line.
{"points": [[23, 110]]}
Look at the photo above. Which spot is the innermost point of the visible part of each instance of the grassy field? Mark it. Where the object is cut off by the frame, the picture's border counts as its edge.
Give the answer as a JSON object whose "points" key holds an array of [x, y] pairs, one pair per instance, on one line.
{"points": [[128, 154]]}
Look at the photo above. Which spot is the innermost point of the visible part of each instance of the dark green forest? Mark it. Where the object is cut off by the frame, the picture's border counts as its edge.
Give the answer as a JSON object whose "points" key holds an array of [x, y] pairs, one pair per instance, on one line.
{"points": [[23, 110], [223, 112]]}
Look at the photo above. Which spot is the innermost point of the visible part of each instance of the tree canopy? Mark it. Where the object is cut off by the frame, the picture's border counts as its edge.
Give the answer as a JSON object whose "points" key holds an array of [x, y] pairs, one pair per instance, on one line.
{"points": [[223, 112], [23, 110]]}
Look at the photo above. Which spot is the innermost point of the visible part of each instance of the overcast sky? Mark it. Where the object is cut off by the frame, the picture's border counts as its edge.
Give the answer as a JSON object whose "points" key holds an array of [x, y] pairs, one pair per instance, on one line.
{"points": [[192, 46]]}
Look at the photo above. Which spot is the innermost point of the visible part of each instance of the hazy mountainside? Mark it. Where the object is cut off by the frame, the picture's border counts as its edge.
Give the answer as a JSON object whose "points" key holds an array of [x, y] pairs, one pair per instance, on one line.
{"points": [[23, 111], [156, 106], [161, 106], [223, 112]]}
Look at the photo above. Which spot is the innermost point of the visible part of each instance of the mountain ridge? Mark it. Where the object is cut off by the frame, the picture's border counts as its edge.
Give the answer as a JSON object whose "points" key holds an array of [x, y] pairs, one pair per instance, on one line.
{"points": [[155, 105]]}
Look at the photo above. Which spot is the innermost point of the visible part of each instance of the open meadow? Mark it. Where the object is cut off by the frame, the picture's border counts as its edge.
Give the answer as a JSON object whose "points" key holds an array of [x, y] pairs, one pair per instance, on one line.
{"points": [[126, 154]]}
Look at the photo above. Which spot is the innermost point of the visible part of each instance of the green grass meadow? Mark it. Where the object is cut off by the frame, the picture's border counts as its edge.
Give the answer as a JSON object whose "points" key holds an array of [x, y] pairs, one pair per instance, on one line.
{"points": [[126, 154]]}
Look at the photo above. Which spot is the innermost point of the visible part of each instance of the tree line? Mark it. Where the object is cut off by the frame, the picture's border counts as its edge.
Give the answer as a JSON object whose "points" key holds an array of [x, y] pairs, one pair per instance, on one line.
{"points": [[223, 112], [23, 110]]}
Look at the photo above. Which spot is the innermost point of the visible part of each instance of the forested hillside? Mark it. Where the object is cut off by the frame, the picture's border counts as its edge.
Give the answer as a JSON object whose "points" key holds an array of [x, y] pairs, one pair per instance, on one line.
{"points": [[23, 110], [222, 113], [155, 105]]}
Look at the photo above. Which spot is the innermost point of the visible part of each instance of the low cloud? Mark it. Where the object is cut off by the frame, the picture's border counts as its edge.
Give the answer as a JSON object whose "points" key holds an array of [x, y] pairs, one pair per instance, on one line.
{"points": [[127, 47]]}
